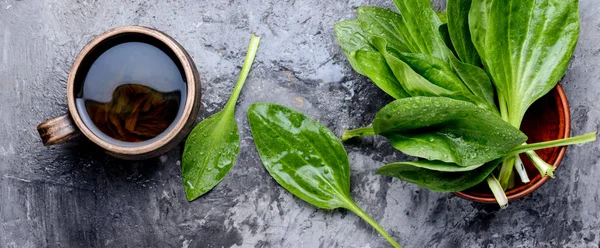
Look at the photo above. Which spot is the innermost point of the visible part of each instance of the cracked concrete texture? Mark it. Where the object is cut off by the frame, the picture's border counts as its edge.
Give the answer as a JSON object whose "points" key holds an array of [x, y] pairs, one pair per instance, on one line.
{"points": [[73, 195]]}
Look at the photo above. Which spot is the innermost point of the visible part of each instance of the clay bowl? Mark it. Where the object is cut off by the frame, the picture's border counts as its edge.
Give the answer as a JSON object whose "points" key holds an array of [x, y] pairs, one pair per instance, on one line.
{"points": [[547, 119]]}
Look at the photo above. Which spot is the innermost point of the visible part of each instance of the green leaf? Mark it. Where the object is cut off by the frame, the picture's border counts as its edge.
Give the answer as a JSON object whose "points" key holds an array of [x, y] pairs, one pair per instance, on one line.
{"points": [[525, 46], [351, 38], [422, 26], [414, 30], [446, 36], [458, 27], [453, 131], [365, 59], [425, 75], [374, 66], [414, 61], [478, 83], [433, 165], [305, 158], [213, 145], [436, 72], [440, 181], [210, 151], [384, 23], [412, 82]]}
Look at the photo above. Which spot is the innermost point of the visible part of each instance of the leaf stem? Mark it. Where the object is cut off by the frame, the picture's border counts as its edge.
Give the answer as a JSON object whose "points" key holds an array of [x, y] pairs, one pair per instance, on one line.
{"points": [[502, 106], [520, 168], [544, 168], [506, 171], [497, 191], [589, 137], [358, 211], [252, 48], [511, 181], [363, 131]]}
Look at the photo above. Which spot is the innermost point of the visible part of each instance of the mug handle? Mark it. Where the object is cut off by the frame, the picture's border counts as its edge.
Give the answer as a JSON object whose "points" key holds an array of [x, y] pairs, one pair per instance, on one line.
{"points": [[57, 130]]}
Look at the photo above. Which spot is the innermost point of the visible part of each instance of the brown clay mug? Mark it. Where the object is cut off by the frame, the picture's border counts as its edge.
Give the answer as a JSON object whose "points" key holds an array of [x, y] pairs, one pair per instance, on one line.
{"points": [[66, 127]]}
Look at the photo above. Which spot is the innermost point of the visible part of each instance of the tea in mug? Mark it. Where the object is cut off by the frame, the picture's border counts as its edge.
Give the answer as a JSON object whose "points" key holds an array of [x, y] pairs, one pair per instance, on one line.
{"points": [[132, 92]]}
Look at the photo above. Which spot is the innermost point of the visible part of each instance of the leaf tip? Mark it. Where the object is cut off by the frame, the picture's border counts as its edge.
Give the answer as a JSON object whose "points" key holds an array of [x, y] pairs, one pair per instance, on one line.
{"points": [[383, 170], [190, 196]]}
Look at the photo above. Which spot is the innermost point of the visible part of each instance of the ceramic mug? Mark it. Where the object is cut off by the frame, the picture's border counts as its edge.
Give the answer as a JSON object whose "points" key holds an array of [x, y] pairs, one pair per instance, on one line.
{"points": [[66, 127]]}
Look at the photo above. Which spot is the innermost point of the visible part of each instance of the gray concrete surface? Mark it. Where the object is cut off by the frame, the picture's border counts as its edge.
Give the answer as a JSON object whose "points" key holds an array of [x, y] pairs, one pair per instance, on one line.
{"points": [[72, 195]]}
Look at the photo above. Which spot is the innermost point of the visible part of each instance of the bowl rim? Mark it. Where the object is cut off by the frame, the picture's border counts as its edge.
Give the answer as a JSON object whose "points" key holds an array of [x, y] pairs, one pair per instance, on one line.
{"points": [[526, 189]]}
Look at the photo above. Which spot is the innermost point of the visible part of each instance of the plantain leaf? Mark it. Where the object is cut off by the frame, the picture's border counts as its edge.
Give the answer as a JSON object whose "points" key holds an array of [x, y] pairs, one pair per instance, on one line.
{"points": [[446, 36], [305, 158], [422, 25], [440, 181], [525, 46], [434, 165], [478, 83], [365, 60], [425, 75], [452, 131], [351, 38], [213, 145], [374, 65], [458, 28], [384, 23]]}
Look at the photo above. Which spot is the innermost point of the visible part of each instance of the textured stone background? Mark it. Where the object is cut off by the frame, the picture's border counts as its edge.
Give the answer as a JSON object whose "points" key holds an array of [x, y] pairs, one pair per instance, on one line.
{"points": [[72, 195]]}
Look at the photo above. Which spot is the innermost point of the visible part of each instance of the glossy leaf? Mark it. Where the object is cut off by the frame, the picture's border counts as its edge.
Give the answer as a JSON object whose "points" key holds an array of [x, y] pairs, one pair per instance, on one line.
{"points": [[434, 165], [384, 23], [443, 30], [525, 46], [424, 75], [418, 68], [351, 38], [413, 83], [473, 77], [422, 25], [478, 83], [213, 145], [375, 67], [305, 158], [458, 28], [365, 59], [210, 151], [397, 30], [439, 128], [440, 181]]}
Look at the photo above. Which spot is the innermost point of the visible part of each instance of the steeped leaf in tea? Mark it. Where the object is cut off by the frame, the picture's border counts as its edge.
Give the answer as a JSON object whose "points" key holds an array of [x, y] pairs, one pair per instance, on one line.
{"points": [[136, 112]]}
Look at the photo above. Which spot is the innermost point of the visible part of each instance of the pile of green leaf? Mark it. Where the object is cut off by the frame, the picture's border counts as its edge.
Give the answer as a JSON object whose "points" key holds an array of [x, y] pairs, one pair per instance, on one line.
{"points": [[461, 122], [462, 85]]}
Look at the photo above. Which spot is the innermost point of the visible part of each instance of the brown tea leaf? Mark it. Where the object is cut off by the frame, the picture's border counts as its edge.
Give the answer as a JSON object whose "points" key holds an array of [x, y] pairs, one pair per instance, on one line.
{"points": [[131, 121], [116, 122], [136, 112]]}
